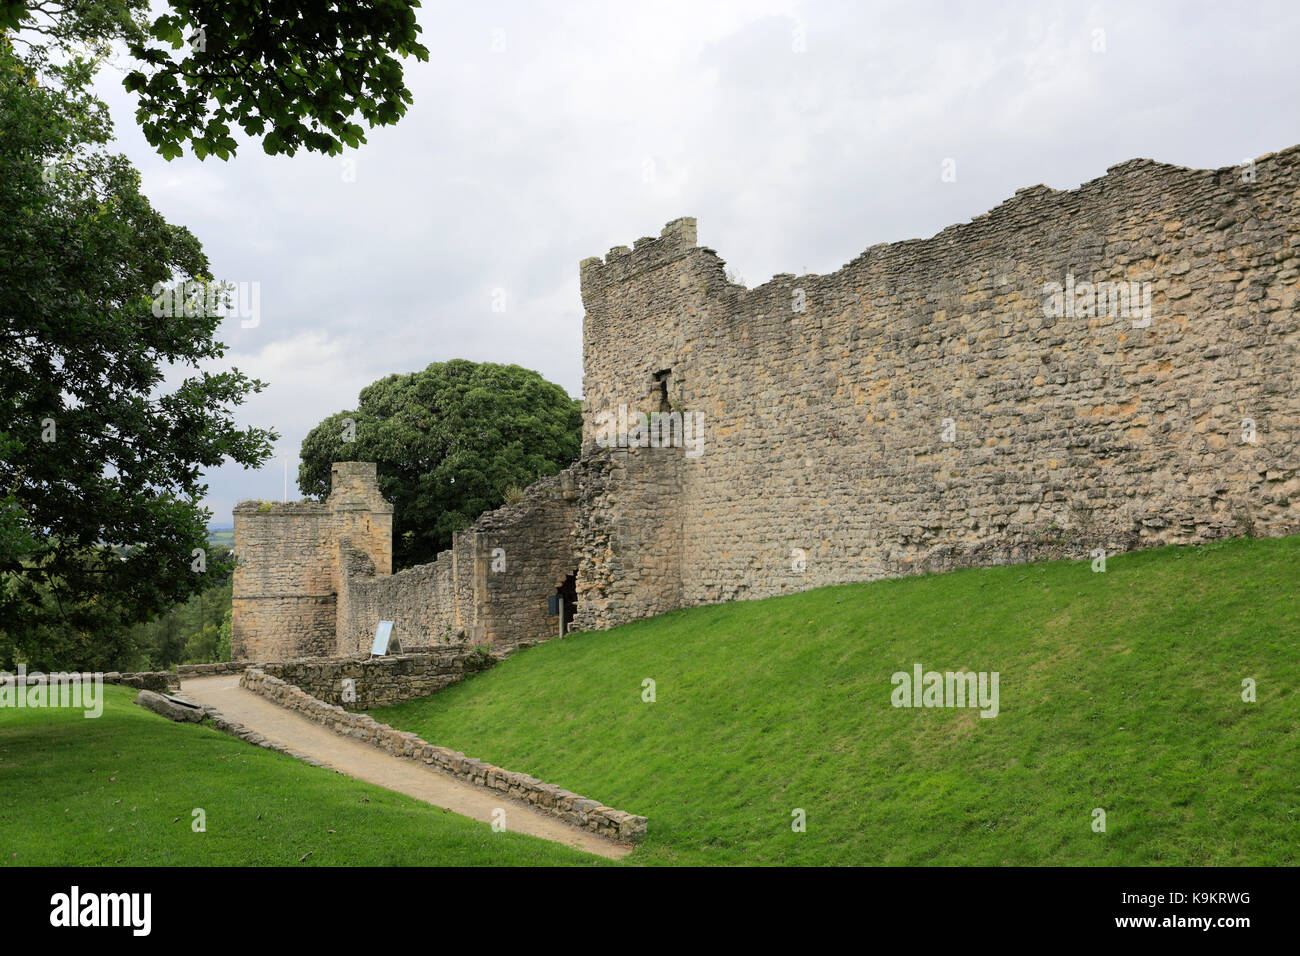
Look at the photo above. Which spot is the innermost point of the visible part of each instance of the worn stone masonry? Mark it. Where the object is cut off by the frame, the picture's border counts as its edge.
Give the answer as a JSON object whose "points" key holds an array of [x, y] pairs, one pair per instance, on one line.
{"points": [[1110, 367], [491, 586], [212, 670], [157, 681], [290, 556], [380, 681]]}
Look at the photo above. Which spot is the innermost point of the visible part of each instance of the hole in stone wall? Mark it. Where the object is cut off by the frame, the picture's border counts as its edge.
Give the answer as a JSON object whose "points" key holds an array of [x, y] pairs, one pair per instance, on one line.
{"points": [[659, 389], [568, 591]]}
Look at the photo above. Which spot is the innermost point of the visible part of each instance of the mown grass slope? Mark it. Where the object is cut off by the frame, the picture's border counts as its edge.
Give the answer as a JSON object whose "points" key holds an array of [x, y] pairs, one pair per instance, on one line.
{"points": [[1120, 691], [121, 789]]}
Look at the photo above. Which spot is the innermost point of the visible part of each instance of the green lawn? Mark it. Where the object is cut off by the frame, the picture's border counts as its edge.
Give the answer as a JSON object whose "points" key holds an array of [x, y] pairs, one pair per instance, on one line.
{"points": [[1119, 691], [120, 789]]}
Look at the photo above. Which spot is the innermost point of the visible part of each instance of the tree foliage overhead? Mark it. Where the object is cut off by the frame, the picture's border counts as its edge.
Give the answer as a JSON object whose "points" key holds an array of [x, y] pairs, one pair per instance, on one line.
{"points": [[100, 458], [297, 73], [451, 442]]}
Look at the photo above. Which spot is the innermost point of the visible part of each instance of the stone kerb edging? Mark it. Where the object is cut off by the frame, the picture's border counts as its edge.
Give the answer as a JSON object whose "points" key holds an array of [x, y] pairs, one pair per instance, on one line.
{"points": [[158, 681], [570, 807]]}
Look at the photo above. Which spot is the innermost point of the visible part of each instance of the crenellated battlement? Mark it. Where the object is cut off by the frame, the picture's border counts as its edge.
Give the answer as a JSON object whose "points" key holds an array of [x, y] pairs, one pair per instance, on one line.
{"points": [[676, 240], [354, 485]]}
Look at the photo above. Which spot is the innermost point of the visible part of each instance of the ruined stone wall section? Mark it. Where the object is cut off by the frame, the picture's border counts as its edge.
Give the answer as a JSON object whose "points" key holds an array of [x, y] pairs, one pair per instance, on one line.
{"points": [[360, 513], [419, 601], [287, 579], [380, 681], [827, 427], [629, 536], [283, 603], [491, 586], [525, 552], [920, 409], [645, 308]]}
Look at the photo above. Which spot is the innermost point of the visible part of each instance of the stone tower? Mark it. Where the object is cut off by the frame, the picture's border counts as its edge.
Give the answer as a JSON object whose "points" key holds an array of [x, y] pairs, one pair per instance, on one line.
{"points": [[286, 583]]}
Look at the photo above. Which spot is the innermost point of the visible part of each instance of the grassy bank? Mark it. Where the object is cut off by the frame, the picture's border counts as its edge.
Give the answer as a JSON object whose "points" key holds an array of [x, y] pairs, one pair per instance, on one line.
{"points": [[1119, 691]]}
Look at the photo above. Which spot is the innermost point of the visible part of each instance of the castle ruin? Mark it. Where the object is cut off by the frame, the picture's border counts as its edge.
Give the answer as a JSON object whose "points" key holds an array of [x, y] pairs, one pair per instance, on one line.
{"points": [[1110, 367]]}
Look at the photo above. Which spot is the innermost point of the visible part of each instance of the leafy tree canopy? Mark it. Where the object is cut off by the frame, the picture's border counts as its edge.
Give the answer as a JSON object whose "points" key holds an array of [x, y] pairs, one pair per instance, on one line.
{"points": [[100, 458], [297, 73], [451, 442]]}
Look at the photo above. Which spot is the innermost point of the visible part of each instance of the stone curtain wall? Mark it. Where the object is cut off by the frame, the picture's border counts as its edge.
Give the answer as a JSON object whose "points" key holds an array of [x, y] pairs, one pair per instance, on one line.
{"points": [[921, 412], [420, 602], [523, 554], [629, 534], [286, 582], [380, 681], [934, 404], [491, 586]]}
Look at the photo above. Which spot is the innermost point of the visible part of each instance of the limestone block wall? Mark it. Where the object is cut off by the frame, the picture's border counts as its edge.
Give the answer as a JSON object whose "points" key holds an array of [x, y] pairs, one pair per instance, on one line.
{"points": [[380, 681], [360, 514], [286, 581], [938, 403], [466, 576], [420, 601], [523, 553], [491, 586], [1109, 367], [283, 597], [629, 536]]}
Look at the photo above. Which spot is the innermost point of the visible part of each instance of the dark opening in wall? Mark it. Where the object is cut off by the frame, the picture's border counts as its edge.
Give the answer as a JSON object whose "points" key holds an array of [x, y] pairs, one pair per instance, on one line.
{"points": [[568, 592], [659, 390]]}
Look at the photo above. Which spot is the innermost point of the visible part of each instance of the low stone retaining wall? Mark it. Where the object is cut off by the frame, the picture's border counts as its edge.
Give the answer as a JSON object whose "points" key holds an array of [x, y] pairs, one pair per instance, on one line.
{"points": [[140, 680], [380, 681], [212, 670], [144, 680], [570, 807]]}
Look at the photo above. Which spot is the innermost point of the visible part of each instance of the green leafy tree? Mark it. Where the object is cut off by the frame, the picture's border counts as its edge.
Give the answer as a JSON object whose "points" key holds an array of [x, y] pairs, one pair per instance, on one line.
{"points": [[100, 460], [298, 73], [450, 442], [191, 632]]}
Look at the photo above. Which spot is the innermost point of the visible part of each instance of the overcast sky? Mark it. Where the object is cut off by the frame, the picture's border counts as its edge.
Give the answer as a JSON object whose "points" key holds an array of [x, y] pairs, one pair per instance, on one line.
{"points": [[798, 134]]}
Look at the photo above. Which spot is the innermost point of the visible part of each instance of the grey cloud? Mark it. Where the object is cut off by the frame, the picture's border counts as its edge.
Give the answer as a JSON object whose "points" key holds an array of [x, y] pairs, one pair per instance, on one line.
{"points": [[511, 167]]}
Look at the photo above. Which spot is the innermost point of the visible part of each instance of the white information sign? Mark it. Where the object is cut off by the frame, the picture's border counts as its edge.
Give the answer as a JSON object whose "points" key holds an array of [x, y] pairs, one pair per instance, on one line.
{"points": [[382, 633]]}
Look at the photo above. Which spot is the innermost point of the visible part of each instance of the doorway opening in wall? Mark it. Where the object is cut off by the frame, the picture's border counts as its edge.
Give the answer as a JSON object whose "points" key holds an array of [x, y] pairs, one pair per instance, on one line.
{"points": [[568, 592]]}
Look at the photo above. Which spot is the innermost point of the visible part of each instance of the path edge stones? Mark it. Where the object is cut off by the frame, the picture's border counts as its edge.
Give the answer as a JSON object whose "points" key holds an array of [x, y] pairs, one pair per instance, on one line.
{"points": [[591, 815]]}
